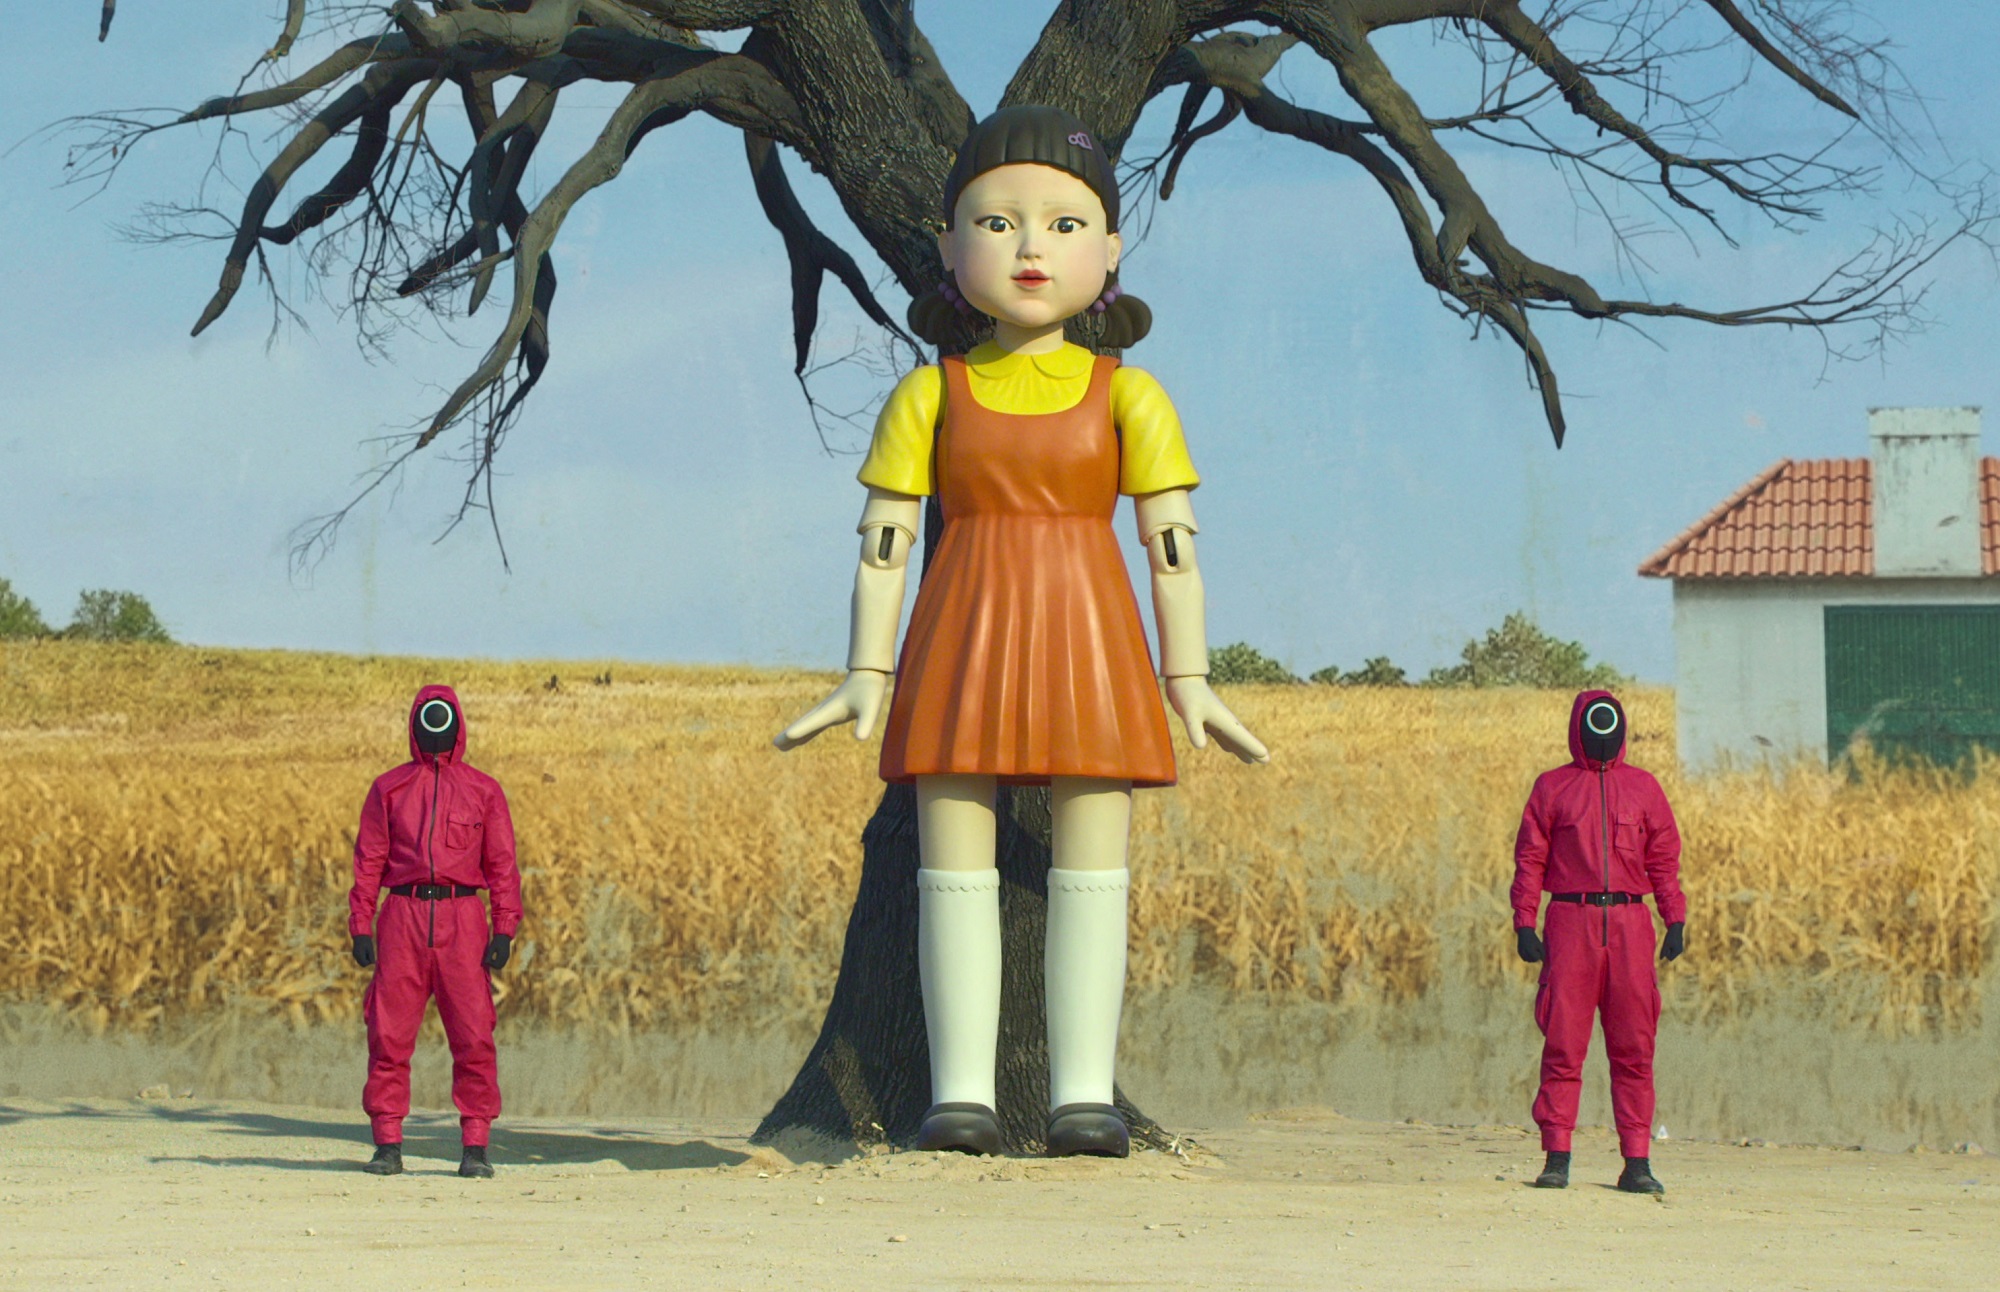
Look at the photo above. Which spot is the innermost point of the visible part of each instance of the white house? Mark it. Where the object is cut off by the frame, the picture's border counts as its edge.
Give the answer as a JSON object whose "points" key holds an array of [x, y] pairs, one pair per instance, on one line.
{"points": [[1830, 598]]}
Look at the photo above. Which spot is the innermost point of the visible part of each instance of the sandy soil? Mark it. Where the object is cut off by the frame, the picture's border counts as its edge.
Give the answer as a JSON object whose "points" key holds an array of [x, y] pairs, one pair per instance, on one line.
{"points": [[185, 1193]]}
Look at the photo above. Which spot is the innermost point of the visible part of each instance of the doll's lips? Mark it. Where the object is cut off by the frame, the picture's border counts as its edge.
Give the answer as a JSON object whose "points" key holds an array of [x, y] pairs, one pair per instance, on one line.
{"points": [[1031, 278]]}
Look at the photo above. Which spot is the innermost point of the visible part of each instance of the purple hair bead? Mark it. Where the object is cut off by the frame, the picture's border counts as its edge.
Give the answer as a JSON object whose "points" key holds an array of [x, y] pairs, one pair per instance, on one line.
{"points": [[1103, 302], [951, 296]]}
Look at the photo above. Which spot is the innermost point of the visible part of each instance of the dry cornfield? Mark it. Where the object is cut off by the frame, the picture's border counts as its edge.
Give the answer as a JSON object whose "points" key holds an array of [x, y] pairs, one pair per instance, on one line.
{"points": [[176, 828]]}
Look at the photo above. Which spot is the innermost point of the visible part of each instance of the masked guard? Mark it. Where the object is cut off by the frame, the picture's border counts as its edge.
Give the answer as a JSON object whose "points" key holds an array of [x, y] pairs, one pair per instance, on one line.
{"points": [[434, 832], [1597, 836]]}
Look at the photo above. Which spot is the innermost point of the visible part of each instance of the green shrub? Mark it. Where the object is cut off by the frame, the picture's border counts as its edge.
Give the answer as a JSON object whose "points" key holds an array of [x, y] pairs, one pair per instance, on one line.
{"points": [[1242, 662], [1373, 673], [1518, 653], [18, 616], [106, 616]]}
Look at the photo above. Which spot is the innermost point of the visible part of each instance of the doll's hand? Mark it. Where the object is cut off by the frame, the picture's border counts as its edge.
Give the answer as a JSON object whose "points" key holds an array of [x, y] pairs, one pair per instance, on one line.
{"points": [[858, 697], [1204, 714]]}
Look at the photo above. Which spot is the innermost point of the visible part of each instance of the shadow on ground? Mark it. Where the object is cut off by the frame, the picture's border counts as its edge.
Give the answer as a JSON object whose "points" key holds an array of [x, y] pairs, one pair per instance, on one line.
{"points": [[346, 1142]]}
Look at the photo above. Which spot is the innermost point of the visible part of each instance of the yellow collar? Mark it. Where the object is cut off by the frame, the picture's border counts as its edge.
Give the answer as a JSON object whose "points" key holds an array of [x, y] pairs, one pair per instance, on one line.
{"points": [[994, 364]]}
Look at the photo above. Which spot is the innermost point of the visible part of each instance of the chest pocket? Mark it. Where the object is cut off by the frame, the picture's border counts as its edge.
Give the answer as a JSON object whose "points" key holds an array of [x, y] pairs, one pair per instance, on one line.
{"points": [[1628, 835], [463, 834]]}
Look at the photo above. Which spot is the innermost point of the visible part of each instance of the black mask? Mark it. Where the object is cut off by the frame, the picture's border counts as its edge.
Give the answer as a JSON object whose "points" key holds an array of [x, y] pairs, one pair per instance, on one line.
{"points": [[436, 726], [1603, 729]]}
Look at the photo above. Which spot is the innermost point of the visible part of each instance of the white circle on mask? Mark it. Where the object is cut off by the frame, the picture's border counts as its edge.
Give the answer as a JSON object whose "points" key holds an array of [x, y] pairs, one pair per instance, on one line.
{"points": [[435, 717], [1602, 710]]}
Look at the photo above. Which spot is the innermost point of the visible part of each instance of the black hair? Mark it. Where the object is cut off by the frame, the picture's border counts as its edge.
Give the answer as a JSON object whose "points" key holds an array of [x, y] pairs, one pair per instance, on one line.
{"points": [[1050, 137]]}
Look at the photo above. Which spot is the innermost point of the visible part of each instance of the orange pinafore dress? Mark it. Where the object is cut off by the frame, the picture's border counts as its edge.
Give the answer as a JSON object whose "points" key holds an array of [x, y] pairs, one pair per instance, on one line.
{"points": [[1025, 657]]}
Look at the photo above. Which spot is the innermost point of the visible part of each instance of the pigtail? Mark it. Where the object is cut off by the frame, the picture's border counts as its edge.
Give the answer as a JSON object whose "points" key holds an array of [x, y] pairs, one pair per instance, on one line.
{"points": [[932, 318], [944, 319], [1126, 319]]}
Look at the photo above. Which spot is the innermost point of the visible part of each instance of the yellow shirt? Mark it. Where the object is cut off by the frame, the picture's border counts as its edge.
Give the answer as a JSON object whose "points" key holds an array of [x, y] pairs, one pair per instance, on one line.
{"points": [[1152, 451]]}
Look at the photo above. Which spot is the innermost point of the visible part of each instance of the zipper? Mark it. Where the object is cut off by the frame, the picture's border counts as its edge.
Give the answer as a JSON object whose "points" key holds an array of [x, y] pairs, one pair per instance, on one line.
{"points": [[1604, 823], [430, 851]]}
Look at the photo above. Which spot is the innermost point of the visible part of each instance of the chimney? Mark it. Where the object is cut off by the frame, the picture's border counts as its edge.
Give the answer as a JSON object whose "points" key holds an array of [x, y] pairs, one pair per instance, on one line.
{"points": [[1926, 485]]}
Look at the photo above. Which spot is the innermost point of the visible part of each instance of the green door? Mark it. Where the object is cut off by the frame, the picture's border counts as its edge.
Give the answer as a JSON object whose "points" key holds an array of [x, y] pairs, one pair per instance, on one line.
{"points": [[1921, 680]]}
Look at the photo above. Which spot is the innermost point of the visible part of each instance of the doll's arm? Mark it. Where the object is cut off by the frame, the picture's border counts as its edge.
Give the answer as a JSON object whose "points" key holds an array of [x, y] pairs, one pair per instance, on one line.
{"points": [[1166, 527], [888, 531]]}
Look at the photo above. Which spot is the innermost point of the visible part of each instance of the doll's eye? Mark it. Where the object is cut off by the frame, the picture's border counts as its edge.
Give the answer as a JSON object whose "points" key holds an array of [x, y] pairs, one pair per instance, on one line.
{"points": [[994, 223], [1067, 224]]}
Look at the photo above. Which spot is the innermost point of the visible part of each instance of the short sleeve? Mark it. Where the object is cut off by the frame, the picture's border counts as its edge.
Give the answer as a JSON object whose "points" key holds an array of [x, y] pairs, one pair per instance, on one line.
{"points": [[899, 457], [1152, 451]]}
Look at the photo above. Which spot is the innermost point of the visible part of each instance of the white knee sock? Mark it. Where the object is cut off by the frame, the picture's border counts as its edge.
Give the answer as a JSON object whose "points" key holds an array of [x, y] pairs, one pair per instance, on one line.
{"points": [[958, 963], [1084, 979]]}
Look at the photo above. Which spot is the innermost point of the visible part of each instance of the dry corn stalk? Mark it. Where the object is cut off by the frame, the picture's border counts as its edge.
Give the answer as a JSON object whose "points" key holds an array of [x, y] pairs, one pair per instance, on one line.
{"points": [[176, 827]]}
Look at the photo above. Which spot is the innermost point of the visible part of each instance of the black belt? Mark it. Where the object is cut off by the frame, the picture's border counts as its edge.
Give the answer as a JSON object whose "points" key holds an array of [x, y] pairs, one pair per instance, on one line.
{"points": [[432, 892], [1598, 899]]}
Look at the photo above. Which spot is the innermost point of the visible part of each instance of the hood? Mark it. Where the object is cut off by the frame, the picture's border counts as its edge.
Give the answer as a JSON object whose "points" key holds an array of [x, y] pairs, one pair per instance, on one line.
{"points": [[1583, 700], [437, 691]]}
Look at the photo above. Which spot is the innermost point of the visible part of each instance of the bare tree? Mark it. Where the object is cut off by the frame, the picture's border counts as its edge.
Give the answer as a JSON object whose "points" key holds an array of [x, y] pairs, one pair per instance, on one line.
{"points": [[853, 87]]}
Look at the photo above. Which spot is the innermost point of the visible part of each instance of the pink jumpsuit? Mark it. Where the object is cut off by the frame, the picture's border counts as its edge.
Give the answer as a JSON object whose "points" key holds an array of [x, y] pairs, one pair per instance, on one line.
{"points": [[434, 820], [1597, 827]]}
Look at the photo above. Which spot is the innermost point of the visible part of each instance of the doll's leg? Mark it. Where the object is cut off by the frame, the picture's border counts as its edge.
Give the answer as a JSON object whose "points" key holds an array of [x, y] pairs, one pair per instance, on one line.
{"points": [[958, 958], [1084, 964]]}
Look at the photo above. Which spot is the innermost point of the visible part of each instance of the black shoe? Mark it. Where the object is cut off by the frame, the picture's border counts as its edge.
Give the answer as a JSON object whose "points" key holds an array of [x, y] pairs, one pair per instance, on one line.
{"points": [[472, 1164], [1096, 1130], [1638, 1177], [1555, 1172], [388, 1160], [960, 1128]]}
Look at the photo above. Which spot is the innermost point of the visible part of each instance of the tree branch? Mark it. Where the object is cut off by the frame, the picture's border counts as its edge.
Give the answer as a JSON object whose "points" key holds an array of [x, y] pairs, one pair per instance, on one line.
{"points": [[1875, 288], [730, 87], [371, 139], [812, 254], [354, 54], [1771, 54], [382, 86], [1506, 18], [295, 18]]}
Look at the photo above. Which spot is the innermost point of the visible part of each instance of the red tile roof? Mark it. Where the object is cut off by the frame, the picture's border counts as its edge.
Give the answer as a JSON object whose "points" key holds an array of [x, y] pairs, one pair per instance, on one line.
{"points": [[1803, 519]]}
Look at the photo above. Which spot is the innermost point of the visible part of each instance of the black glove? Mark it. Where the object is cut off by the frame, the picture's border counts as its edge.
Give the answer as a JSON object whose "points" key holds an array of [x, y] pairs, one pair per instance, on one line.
{"points": [[1674, 943], [1529, 944], [497, 951], [364, 950]]}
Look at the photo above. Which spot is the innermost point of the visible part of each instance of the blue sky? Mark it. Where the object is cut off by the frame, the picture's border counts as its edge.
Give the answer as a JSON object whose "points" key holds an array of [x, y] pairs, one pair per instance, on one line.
{"points": [[1374, 481]]}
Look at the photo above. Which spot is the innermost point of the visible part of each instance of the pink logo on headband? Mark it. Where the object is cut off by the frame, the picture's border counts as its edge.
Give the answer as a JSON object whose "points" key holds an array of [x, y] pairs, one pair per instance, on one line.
{"points": [[1080, 139]]}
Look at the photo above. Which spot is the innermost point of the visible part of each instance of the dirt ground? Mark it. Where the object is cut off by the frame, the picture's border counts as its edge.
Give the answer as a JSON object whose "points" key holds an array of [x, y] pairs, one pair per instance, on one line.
{"points": [[168, 1192]]}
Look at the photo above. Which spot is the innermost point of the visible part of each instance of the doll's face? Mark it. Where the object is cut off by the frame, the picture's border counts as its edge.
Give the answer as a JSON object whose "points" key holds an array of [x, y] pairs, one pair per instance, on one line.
{"points": [[1029, 245]]}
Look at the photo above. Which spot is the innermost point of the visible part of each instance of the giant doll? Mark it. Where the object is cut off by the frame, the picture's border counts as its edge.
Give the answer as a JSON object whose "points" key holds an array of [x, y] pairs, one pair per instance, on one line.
{"points": [[1026, 662]]}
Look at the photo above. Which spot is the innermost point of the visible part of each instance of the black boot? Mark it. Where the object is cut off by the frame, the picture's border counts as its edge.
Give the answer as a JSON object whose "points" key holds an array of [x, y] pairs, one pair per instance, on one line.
{"points": [[388, 1160], [1555, 1172], [472, 1164], [960, 1128], [1638, 1177], [1095, 1130]]}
